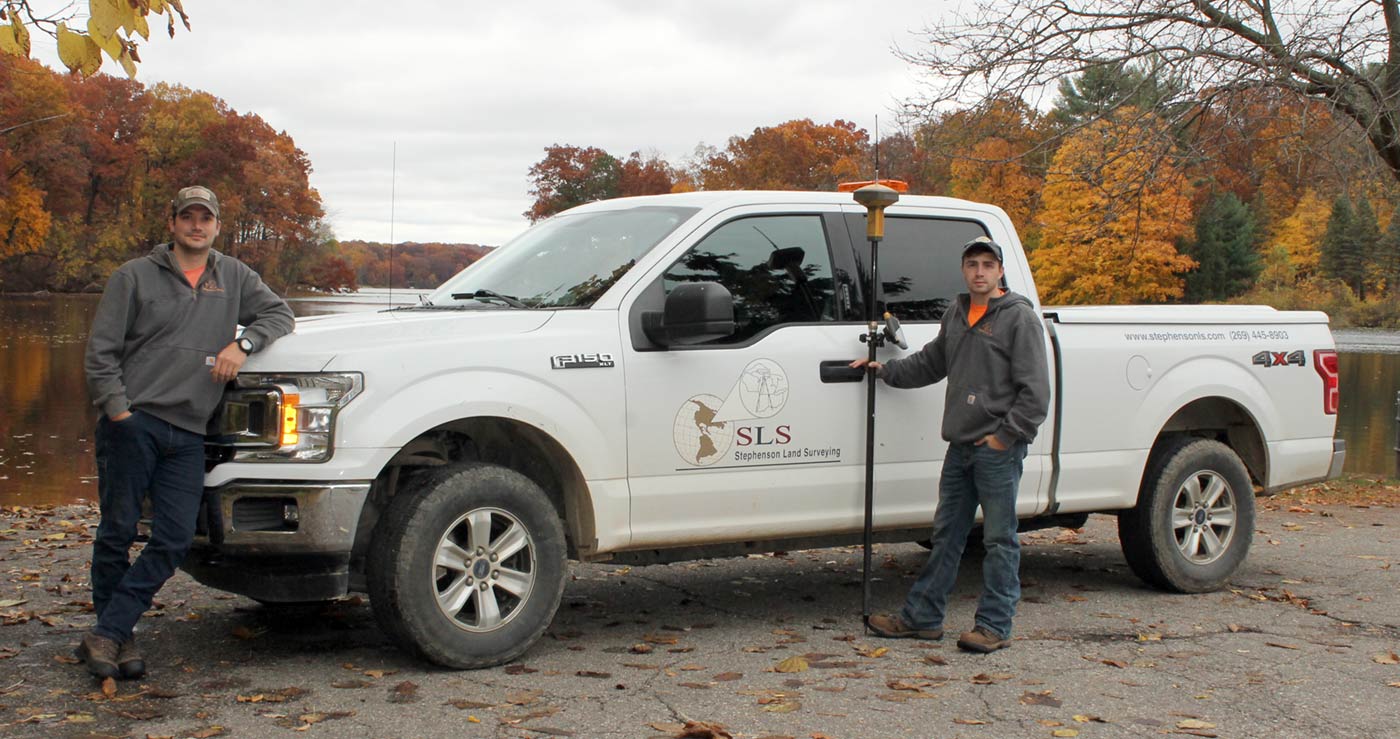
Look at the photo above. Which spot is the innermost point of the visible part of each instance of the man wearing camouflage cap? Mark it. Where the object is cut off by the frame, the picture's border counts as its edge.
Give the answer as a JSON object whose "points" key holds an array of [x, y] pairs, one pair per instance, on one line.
{"points": [[162, 348]]}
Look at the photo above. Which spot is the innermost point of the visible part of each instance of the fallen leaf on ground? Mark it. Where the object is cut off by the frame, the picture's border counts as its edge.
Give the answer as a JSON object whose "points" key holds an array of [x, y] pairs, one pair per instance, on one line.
{"points": [[934, 659], [725, 677], [783, 706], [1065, 732], [404, 692], [1149, 637], [376, 674], [792, 664], [591, 673], [1192, 723], [1115, 663], [1280, 646], [519, 670], [463, 704], [1043, 698], [109, 687], [703, 730], [983, 678], [969, 721], [1389, 658], [1087, 719], [245, 633]]}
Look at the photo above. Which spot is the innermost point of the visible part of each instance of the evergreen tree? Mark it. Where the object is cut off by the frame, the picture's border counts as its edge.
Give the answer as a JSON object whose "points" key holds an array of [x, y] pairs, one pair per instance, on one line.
{"points": [[1224, 250], [1388, 256], [1366, 240], [1103, 88], [1338, 251]]}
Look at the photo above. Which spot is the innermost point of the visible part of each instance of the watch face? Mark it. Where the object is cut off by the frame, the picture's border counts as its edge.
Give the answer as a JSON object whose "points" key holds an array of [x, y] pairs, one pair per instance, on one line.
{"points": [[246, 345]]}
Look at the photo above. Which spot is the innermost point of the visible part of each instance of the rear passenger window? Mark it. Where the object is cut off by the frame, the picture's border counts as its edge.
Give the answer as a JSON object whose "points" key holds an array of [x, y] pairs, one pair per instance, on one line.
{"points": [[920, 264]]}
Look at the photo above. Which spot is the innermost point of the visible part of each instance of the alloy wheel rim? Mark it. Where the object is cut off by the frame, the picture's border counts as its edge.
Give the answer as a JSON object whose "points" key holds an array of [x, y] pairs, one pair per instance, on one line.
{"points": [[483, 569], [1204, 513]]}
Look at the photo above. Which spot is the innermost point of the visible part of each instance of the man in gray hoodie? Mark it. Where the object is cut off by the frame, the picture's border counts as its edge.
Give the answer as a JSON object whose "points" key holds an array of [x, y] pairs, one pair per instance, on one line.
{"points": [[162, 348], [992, 351]]}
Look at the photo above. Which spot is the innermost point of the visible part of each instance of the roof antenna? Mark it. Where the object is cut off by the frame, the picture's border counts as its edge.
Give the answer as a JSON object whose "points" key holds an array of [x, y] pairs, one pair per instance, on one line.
{"points": [[393, 182], [877, 147]]}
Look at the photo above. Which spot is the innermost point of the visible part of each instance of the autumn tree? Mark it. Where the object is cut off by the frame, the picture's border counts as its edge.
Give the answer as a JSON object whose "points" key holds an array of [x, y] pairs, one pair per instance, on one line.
{"points": [[1343, 54], [795, 155], [1226, 263], [1300, 235], [110, 27], [570, 176], [1113, 209]]}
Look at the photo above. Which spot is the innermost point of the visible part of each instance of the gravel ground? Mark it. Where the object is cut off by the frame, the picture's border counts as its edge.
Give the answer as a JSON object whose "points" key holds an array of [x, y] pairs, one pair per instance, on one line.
{"points": [[1302, 643]]}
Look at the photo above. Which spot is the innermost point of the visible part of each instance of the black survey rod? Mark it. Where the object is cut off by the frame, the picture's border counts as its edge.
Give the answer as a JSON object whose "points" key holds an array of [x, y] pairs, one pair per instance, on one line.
{"points": [[875, 198]]}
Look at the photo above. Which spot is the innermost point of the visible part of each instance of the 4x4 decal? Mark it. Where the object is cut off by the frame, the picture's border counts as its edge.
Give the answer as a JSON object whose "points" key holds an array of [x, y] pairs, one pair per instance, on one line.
{"points": [[1281, 359]]}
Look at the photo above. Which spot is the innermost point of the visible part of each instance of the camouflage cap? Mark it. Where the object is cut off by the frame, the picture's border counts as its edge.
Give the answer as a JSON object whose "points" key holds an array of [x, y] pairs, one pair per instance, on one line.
{"points": [[982, 243], [195, 195]]}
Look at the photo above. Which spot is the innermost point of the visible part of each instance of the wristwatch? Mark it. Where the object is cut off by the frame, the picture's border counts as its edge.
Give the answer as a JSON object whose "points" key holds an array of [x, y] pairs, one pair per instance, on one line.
{"points": [[246, 344]]}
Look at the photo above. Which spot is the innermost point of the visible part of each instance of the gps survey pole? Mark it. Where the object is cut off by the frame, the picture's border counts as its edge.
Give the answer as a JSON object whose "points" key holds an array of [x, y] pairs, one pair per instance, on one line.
{"points": [[875, 197]]}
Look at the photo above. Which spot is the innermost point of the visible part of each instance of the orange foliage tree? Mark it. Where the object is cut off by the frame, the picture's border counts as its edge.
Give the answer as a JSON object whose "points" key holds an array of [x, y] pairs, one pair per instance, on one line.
{"points": [[1113, 208], [796, 155], [87, 168]]}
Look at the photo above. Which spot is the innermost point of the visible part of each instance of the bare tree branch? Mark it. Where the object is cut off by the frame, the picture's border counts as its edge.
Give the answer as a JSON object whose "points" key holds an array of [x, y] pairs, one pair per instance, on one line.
{"points": [[1345, 53]]}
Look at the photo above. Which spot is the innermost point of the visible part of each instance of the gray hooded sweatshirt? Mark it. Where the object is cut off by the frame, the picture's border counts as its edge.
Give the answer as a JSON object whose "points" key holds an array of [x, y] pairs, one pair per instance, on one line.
{"points": [[154, 338], [998, 379]]}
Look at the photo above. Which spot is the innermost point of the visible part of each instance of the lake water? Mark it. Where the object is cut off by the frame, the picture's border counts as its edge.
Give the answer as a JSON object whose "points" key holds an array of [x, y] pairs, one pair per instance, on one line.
{"points": [[46, 421]]}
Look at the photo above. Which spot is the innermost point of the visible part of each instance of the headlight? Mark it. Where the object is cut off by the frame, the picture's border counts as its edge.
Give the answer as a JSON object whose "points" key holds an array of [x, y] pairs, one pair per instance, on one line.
{"points": [[285, 417]]}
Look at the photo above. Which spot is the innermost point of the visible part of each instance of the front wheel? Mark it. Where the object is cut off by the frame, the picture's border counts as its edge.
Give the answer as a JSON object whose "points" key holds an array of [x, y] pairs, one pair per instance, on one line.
{"points": [[1194, 519], [467, 569]]}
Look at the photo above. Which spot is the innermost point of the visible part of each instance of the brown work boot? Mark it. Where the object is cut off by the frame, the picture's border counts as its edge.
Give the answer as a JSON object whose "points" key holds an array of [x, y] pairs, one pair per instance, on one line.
{"points": [[100, 654], [893, 627], [130, 660], [982, 640]]}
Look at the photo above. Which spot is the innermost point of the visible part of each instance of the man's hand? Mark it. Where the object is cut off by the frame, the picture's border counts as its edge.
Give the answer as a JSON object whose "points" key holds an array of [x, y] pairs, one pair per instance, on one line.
{"points": [[876, 366], [227, 364], [991, 441]]}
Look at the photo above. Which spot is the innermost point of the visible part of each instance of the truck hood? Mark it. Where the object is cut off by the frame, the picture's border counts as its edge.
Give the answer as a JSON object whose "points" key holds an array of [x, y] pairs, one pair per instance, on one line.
{"points": [[317, 340]]}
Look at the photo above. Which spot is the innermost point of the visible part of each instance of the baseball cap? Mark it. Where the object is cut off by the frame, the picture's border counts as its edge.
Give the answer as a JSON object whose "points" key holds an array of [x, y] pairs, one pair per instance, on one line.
{"points": [[195, 195], [982, 243]]}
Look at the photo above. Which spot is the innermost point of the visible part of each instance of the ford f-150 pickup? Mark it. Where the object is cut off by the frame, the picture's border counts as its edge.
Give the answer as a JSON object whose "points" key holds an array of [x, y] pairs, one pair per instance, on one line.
{"points": [[660, 378]]}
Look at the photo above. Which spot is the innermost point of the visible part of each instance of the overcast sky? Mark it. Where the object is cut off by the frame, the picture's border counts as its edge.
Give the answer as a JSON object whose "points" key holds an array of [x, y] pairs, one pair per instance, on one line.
{"points": [[472, 92]]}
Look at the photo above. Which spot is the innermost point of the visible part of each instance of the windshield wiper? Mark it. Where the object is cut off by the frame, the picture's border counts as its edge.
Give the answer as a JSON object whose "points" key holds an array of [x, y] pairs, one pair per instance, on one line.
{"points": [[484, 295]]}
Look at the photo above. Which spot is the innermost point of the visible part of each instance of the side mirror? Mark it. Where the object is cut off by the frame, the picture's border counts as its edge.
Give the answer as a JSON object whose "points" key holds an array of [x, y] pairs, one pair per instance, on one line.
{"points": [[695, 312]]}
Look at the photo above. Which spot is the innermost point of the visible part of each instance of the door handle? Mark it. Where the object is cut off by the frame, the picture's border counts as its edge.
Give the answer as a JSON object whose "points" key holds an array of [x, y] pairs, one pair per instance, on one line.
{"points": [[839, 370]]}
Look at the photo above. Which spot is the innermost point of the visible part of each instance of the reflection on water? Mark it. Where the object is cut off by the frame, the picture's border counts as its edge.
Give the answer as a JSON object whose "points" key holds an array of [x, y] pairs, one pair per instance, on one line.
{"points": [[1366, 418], [46, 421]]}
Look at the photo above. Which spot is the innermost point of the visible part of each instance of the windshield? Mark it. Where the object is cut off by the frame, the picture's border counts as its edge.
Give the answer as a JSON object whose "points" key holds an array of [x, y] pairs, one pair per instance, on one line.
{"points": [[568, 261]]}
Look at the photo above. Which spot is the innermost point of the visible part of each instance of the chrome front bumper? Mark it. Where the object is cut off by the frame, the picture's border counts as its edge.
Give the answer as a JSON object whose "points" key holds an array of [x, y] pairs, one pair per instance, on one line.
{"points": [[278, 541]]}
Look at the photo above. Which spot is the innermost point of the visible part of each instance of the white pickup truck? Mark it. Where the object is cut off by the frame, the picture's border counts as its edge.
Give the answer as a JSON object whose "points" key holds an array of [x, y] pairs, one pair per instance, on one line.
{"points": [[661, 378]]}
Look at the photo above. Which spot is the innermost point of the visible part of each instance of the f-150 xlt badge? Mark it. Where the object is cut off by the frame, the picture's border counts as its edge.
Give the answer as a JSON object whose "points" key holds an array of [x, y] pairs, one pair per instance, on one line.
{"points": [[581, 361], [1277, 359]]}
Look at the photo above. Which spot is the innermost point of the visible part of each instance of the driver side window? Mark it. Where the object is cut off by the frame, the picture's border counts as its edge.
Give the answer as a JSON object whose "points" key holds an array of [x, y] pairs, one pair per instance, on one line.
{"points": [[778, 269]]}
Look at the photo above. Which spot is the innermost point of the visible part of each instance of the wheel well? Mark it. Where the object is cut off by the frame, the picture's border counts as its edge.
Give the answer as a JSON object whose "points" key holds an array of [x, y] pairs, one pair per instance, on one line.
{"points": [[501, 441], [1225, 421]]}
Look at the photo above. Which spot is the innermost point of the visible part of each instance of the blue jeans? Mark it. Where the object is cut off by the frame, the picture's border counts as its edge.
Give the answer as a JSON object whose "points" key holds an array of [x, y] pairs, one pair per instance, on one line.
{"points": [[973, 475], [135, 456]]}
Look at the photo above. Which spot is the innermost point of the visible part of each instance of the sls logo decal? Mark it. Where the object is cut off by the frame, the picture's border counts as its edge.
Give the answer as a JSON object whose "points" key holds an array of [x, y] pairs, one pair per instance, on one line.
{"points": [[705, 425], [1281, 359]]}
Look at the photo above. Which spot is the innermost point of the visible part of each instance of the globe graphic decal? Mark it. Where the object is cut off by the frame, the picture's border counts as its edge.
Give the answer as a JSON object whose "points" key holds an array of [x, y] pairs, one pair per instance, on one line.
{"points": [[700, 439]]}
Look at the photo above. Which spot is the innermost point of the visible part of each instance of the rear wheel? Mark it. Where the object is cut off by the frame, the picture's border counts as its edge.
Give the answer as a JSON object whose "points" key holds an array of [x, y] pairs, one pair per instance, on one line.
{"points": [[1194, 519], [468, 570]]}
